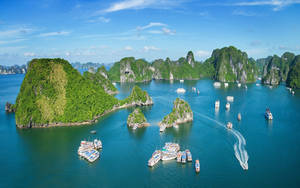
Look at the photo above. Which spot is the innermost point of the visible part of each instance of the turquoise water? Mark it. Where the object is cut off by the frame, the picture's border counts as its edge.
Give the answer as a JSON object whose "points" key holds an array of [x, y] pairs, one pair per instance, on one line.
{"points": [[48, 157]]}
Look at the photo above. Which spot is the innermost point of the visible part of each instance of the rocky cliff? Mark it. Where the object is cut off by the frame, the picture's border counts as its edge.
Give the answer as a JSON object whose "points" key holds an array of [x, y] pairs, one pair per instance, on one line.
{"points": [[293, 79], [137, 119], [232, 65], [137, 97], [181, 113], [277, 68]]}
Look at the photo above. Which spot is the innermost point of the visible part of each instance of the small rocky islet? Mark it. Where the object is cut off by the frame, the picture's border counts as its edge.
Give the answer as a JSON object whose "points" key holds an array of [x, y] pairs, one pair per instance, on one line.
{"points": [[137, 119]]}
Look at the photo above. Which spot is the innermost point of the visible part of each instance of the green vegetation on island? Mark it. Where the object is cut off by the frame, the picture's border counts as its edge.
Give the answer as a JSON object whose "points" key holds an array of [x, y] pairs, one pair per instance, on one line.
{"points": [[181, 113], [233, 65], [293, 79], [53, 93], [137, 119], [101, 78], [137, 97]]}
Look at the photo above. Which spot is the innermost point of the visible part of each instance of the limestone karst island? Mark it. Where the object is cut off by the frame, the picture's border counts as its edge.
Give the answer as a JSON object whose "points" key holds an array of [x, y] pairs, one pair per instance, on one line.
{"points": [[149, 93]]}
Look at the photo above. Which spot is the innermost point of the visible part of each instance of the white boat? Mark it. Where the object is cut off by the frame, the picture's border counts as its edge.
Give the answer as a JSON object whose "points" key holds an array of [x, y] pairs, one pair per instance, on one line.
{"points": [[229, 125], [166, 156], [162, 128], [293, 92], [239, 84], [179, 157], [246, 87], [225, 84], [268, 114], [198, 92], [176, 126], [188, 155], [257, 84], [171, 147], [180, 90], [97, 144], [181, 81], [197, 166], [217, 105], [230, 98], [239, 117], [114, 83], [156, 156], [217, 84], [183, 157], [194, 89], [227, 106], [259, 78]]}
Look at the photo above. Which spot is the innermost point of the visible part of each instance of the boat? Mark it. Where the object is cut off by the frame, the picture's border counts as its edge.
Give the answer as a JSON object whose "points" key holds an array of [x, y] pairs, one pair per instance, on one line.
{"points": [[166, 156], [259, 78], [268, 114], [194, 89], [179, 157], [156, 156], [181, 81], [114, 83], [293, 92], [246, 87], [180, 90], [239, 84], [217, 84], [171, 147], [162, 128], [189, 155], [230, 98], [183, 157], [239, 117], [217, 105], [197, 166], [225, 84], [176, 126], [93, 132], [229, 125], [198, 92], [227, 106], [257, 84], [97, 144]]}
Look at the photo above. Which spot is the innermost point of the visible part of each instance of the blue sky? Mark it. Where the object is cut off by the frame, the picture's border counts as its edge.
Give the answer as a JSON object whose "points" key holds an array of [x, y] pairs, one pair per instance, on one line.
{"points": [[106, 31]]}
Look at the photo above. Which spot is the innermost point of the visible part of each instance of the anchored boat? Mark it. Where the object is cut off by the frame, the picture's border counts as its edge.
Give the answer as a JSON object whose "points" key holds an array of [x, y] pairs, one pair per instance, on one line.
{"points": [[217, 105], [268, 114], [183, 157], [180, 90], [156, 156], [239, 117], [179, 157], [227, 106], [189, 155], [197, 166]]}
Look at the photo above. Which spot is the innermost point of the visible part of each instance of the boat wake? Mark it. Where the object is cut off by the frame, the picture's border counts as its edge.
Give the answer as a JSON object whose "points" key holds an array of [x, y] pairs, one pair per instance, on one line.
{"points": [[239, 147]]}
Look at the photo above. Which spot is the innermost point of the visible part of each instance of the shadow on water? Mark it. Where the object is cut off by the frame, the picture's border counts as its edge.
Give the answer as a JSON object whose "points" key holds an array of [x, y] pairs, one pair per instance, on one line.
{"points": [[182, 131], [137, 133]]}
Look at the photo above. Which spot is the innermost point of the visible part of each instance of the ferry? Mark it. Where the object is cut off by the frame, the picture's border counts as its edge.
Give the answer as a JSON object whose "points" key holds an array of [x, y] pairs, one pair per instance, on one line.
{"points": [[229, 125], [268, 114], [197, 166], [156, 156], [239, 117], [230, 98], [217, 104], [171, 147], [217, 84], [183, 157], [179, 157], [166, 156], [189, 155], [180, 90], [227, 106]]}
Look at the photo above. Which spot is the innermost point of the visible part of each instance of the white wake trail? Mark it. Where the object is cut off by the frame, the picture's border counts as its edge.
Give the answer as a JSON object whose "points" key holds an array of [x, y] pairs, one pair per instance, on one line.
{"points": [[240, 151]]}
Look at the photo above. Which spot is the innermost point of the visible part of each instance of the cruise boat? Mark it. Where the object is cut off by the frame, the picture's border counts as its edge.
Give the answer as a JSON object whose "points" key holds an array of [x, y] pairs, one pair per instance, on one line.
{"points": [[217, 84], [179, 157], [189, 155], [217, 104], [239, 117], [268, 114], [230, 98], [180, 90], [171, 147], [197, 166], [229, 125], [227, 106], [183, 157], [166, 156], [156, 156]]}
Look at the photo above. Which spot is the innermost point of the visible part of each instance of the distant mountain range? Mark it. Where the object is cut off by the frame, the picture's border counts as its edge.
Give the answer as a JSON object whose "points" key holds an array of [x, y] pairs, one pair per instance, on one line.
{"points": [[89, 65], [15, 69]]}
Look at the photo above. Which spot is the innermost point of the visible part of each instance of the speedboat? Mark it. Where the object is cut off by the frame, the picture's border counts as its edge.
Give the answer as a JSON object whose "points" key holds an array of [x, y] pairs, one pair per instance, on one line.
{"points": [[268, 114], [229, 125], [197, 166]]}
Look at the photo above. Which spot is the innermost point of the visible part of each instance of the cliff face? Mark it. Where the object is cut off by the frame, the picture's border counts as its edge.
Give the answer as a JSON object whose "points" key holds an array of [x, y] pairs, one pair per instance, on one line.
{"points": [[277, 68], [181, 113], [101, 78], [293, 79], [53, 93], [232, 65], [137, 119], [15, 69]]}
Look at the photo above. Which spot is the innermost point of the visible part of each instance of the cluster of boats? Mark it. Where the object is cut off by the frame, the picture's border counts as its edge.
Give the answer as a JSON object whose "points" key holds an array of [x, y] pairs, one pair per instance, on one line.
{"points": [[88, 150], [172, 151]]}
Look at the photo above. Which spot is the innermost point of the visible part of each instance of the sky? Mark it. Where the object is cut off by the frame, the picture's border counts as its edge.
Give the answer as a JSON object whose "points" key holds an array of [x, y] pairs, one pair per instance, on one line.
{"points": [[104, 31]]}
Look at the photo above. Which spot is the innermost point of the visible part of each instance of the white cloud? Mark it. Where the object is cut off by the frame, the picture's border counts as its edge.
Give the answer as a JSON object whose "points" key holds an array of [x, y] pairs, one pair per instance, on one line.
{"points": [[68, 54], [203, 53], [11, 41], [141, 4], [128, 48], [276, 4], [100, 19], [29, 54], [57, 33], [168, 31], [151, 24], [243, 13], [150, 48]]}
